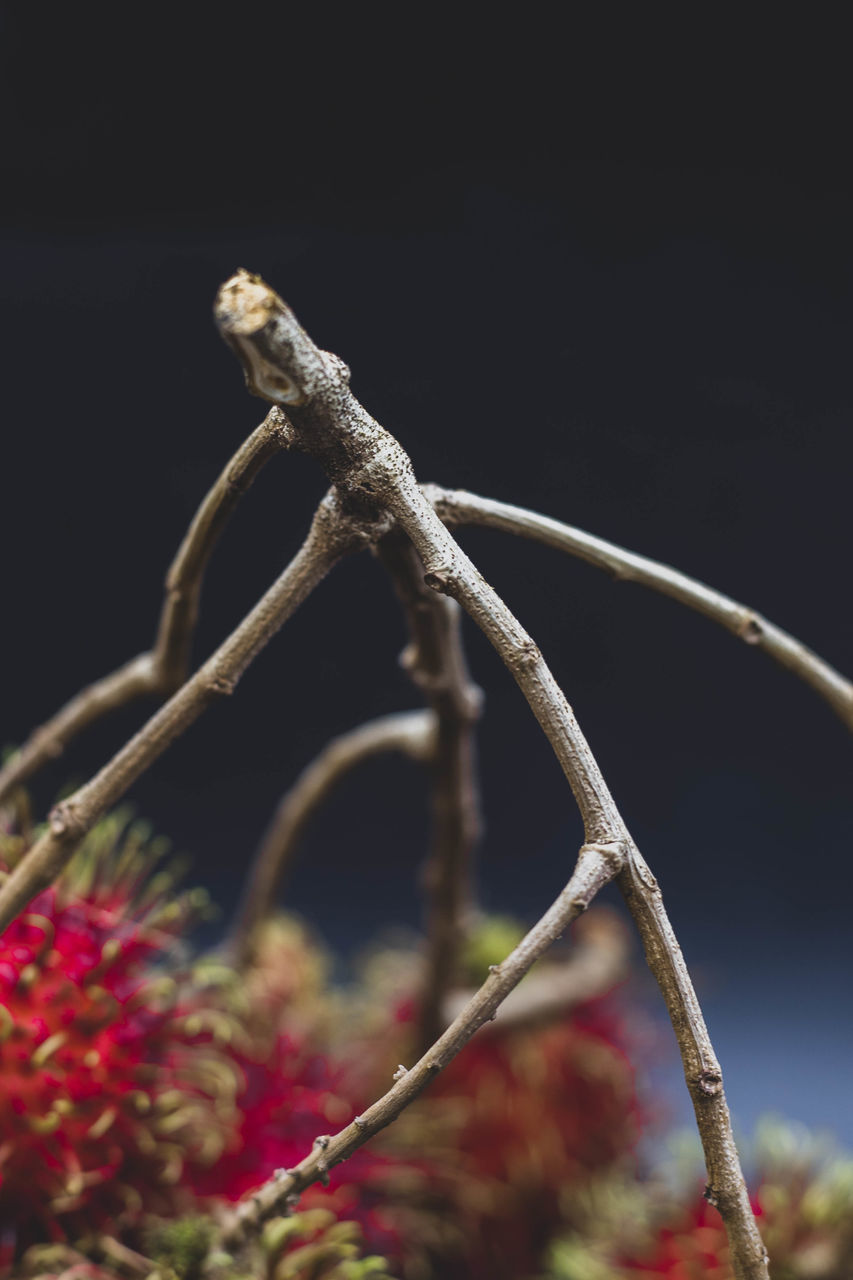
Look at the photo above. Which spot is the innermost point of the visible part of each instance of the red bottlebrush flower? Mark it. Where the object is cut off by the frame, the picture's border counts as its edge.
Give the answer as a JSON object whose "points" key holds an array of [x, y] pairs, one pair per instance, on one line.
{"points": [[292, 1097], [692, 1247], [540, 1111], [110, 1078], [803, 1203], [521, 1119], [544, 1105]]}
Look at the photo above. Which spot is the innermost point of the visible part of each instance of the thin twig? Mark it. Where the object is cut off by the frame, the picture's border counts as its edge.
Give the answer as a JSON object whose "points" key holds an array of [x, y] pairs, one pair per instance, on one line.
{"points": [[413, 733], [435, 661], [458, 507], [164, 668], [374, 474], [329, 538], [184, 580], [596, 866]]}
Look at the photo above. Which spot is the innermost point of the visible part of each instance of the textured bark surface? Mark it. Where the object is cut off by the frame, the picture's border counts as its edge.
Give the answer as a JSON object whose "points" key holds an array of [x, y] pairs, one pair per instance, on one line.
{"points": [[376, 501], [375, 478]]}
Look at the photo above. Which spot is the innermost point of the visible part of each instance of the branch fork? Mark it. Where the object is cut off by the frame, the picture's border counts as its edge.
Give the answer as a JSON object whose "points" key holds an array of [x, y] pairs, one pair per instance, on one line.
{"points": [[375, 501]]}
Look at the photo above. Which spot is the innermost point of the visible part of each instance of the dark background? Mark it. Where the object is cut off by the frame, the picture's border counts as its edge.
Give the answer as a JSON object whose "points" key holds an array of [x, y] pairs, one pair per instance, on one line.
{"points": [[605, 274]]}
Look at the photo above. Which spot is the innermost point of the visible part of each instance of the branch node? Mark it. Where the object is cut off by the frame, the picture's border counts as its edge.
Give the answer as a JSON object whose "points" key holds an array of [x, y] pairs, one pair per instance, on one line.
{"points": [[222, 684], [440, 579], [750, 629], [614, 853], [710, 1082], [400, 1072], [65, 821], [523, 656]]}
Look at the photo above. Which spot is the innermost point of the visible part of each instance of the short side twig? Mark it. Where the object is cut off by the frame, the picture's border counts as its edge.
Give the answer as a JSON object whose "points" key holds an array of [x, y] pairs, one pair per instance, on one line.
{"points": [[596, 866], [329, 538], [457, 507], [435, 661], [413, 733], [160, 671]]}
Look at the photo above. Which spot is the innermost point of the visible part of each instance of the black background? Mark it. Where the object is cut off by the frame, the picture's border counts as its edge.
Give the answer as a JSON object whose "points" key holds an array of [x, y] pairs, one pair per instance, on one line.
{"points": [[604, 273]]}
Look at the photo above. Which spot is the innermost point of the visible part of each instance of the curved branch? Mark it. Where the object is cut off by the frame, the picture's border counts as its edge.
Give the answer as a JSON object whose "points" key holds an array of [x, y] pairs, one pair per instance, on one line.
{"points": [[133, 680], [596, 867], [329, 538], [456, 506], [435, 661], [179, 614], [375, 475], [161, 670], [413, 733]]}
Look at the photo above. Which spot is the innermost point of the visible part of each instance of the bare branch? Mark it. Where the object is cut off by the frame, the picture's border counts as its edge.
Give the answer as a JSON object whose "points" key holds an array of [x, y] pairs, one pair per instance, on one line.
{"points": [[374, 474], [436, 663], [184, 580], [329, 538], [456, 507], [449, 570], [413, 733], [133, 680], [596, 866], [160, 671]]}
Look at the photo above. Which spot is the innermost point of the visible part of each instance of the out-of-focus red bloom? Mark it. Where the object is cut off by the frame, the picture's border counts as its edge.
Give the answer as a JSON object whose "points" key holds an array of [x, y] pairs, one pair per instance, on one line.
{"points": [[292, 1097], [691, 1247], [545, 1104], [539, 1110], [110, 1080], [512, 1127]]}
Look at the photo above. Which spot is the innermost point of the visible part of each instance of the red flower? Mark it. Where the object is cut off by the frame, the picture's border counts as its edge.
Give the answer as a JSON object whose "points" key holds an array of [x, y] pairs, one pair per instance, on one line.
{"points": [[109, 1078], [292, 1096], [693, 1247], [540, 1110]]}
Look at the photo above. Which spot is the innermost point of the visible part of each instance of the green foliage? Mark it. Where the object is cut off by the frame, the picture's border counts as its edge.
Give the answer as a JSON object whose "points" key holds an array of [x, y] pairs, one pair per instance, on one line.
{"points": [[181, 1246], [490, 942], [573, 1259], [313, 1245]]}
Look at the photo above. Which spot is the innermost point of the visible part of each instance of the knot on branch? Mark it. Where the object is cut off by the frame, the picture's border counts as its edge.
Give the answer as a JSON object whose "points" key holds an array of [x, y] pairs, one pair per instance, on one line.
{"points": [[65, 821], [222, 684], [441, 579], [279, 427], [524, 656], [750, 629], [710, 1082]]}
